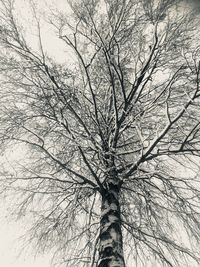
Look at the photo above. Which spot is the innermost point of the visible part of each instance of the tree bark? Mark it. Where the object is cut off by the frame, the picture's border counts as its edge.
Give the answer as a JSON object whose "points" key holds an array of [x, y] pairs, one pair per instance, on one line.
{"points": [[111, 243]]}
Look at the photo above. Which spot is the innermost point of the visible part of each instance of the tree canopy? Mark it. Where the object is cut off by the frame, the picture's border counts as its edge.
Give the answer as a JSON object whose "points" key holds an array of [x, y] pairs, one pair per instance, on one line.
{"points": [[104, 130]]}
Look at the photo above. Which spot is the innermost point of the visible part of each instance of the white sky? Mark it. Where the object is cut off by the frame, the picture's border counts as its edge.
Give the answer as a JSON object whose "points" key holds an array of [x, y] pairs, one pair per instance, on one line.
{"points": [[10, 255]]}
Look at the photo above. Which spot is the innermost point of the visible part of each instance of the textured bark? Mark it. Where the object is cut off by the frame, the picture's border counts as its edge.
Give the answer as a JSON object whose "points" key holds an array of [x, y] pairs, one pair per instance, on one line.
{"points": [[111, 244]]}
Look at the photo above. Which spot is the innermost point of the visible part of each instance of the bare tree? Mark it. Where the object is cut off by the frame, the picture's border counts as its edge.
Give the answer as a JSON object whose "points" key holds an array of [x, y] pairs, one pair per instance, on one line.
{"points": [[105, 131]]}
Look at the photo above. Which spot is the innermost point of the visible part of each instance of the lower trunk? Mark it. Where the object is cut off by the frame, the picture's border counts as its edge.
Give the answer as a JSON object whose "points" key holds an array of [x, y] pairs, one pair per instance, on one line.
{"points": [[111, 246]]}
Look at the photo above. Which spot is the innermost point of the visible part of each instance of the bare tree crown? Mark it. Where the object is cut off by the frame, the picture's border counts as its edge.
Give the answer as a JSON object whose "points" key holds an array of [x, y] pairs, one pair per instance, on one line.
{"points": [[105, 130]]}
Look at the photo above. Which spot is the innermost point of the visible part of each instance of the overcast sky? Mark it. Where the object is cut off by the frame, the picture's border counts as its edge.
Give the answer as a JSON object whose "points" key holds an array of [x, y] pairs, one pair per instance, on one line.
{"points": [[9, 246]]}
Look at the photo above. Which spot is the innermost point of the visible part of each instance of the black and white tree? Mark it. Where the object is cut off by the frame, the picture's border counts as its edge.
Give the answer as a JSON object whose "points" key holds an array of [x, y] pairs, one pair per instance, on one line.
{"points": [[106, 131]]}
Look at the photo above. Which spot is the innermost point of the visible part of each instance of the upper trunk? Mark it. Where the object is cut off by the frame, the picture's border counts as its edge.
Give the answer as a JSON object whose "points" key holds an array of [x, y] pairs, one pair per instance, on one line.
{"points": [[111, 244]]}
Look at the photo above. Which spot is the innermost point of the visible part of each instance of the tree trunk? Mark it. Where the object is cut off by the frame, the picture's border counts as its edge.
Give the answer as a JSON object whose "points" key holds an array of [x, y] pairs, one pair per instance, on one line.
{"points": [[111, 244]]}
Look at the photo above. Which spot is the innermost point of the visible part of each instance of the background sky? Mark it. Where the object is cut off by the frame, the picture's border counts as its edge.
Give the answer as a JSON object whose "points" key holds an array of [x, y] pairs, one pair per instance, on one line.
{"points": [[10, 247]]}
